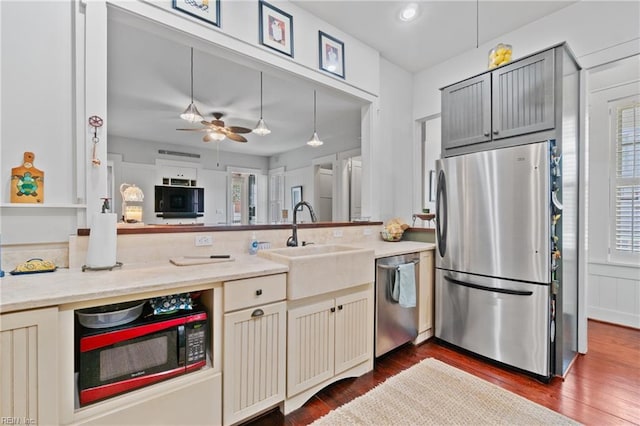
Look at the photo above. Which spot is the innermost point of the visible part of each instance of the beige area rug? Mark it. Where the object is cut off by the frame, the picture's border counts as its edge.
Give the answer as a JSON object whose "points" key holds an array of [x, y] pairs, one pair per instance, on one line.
{"points": [[434, 393]]}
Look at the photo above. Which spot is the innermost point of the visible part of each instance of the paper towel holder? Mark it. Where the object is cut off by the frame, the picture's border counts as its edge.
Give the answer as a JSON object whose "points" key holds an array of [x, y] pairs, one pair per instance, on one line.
{"points": [[105, 208]]}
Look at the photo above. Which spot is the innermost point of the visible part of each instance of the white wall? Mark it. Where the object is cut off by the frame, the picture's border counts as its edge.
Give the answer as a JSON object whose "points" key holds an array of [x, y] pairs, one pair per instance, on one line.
{"points": [[393, 184], [37, 114], [614, 283]]}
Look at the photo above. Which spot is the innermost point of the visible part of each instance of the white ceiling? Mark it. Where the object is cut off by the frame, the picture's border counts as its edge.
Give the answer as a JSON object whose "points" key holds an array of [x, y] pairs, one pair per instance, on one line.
{"points": [[442, 29], [149, 86]]}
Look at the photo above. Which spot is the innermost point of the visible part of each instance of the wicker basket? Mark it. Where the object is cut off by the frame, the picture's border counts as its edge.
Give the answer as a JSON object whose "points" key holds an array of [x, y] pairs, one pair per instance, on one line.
{"points": [[390, 237]]}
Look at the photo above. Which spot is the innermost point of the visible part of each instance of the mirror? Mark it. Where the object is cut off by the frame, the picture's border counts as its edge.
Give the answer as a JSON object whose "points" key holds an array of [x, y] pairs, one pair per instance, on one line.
{"points": [[149, 85]]}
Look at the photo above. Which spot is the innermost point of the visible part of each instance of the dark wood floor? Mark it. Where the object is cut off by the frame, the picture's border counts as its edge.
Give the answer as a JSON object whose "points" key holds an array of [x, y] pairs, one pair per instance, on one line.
{"points": [[602, 387]]}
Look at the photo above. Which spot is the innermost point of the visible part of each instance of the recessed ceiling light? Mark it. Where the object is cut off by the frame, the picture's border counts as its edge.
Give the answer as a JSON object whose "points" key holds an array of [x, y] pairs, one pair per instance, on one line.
{"points": [[409, 12]]}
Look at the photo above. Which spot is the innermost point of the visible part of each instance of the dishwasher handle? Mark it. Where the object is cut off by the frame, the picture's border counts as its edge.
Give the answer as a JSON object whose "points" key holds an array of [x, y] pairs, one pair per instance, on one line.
{"points": [[395, 266]]}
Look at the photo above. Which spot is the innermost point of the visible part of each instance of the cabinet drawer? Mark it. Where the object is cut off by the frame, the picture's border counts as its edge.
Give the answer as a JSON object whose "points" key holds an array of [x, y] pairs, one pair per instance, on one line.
{"points": [[254, 291]]}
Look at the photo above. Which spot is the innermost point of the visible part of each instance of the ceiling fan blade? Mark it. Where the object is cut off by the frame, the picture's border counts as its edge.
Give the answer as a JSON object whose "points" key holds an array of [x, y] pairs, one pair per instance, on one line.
{"points": [[237, 129], [196, 130], [235, 137]]}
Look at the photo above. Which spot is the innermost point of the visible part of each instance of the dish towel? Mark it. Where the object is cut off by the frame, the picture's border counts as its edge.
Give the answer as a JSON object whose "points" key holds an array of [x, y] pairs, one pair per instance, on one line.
{"points": [[404, 288]]}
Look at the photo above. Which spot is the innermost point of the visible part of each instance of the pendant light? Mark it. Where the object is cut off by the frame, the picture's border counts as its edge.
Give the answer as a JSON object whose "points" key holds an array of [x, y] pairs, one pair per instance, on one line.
{"points": [[315, 140], [261, 128], [191, 114]]}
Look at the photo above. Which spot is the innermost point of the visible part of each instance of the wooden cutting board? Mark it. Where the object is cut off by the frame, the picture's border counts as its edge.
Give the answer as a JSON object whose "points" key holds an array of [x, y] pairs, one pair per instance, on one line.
{"points": [[27, 182], [188, 261]]}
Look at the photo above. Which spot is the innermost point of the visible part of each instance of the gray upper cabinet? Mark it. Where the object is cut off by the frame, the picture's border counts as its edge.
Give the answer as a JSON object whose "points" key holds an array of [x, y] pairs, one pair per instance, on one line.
{"points": [[522, 96], [466, 112], [510, 101]]}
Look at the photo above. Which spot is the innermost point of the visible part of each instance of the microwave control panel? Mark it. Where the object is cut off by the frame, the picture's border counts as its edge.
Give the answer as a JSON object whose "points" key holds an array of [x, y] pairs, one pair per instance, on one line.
{"points": [[196, 344]]}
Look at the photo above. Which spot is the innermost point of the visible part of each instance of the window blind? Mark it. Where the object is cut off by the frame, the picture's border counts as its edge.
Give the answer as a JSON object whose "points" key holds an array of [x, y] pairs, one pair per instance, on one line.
{"points": [[627, 191]]}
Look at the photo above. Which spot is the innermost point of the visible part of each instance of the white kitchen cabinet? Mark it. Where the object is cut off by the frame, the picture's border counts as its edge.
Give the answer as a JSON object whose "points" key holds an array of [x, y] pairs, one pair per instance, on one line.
{"points": [[254, 346], [512, 100], [425, 292], [328, 337], [28, 379]]}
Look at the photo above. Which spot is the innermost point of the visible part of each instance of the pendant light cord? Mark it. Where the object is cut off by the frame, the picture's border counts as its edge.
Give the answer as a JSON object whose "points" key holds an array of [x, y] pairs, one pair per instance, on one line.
{"points": [[314, 111], [192, 75], [261, 94], [477, 23]]}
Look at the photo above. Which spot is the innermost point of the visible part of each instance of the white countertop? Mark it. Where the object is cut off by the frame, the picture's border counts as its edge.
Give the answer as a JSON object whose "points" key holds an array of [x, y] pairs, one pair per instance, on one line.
{"points": [[64, 286]]}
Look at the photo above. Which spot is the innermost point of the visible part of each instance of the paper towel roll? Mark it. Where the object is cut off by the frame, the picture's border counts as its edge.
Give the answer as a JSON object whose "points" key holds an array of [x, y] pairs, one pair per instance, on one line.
{"points": [[102, 241]]}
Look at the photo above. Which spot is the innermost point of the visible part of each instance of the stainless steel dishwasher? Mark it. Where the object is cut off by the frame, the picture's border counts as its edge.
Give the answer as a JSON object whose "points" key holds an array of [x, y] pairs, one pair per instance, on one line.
{"points": [[394, 324]]}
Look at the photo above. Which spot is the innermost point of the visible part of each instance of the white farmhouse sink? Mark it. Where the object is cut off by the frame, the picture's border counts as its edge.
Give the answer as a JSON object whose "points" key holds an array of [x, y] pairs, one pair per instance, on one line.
{"points": [[322, 268]]}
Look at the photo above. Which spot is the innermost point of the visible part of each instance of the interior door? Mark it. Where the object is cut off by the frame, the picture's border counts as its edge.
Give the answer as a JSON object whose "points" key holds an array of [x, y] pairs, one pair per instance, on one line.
{"points": [[493, 215]]}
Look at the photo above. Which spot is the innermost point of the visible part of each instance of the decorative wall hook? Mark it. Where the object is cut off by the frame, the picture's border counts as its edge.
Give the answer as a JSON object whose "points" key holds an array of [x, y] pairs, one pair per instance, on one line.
{"points": [[95, 122]]}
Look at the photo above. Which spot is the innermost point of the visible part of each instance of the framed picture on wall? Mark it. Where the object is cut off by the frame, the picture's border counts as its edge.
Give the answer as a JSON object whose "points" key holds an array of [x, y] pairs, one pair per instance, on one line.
{"points": [[276, 28], [207, 10], [331, 54], [296, 197]]}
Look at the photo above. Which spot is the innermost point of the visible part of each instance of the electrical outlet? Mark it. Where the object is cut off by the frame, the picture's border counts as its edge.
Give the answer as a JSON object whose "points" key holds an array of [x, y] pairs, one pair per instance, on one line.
{"points": [[366, 231], [204, 240], [337, 233]]}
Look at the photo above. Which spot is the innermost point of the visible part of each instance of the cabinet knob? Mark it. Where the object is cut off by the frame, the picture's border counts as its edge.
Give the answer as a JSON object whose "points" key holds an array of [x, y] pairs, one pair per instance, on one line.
{"points": [[257, 313], [259, 292], [486, 134], [333, 309], [495, 132], [339, 307]]}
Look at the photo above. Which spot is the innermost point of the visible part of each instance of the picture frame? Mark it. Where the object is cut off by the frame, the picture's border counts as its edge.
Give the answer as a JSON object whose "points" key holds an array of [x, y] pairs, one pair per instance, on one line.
{"points": [[276, 28], [296, 197], [208, 11], [330, 54]]}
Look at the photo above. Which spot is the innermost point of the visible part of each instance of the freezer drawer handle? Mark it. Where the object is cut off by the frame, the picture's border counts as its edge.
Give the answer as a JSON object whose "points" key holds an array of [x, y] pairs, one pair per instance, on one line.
{"points": [[491, 289]]}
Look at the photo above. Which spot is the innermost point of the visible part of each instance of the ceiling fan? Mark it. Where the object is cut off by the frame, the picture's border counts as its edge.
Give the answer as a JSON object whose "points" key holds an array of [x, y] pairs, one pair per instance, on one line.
{"points": [[216, 130]]}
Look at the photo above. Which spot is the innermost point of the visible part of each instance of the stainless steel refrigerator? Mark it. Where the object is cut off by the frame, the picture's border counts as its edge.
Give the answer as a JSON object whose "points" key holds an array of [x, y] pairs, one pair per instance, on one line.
{"points": [[506, 267]]}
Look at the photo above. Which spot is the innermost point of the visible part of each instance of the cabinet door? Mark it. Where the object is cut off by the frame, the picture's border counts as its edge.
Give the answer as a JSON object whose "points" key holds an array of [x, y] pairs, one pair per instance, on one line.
{"points": [[354, 330], [310, 350], [28, 356], [254, 360], [523, 96], [466, 112], [425, 291]]}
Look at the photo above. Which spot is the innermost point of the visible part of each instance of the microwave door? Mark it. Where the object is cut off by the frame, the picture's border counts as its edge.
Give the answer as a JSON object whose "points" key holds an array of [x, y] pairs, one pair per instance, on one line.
{"points": [[493, 213]]}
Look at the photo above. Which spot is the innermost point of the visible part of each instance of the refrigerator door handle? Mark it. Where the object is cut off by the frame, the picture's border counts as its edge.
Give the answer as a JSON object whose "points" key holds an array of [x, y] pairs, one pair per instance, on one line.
{"points": [[491, 289], [441, 213]]}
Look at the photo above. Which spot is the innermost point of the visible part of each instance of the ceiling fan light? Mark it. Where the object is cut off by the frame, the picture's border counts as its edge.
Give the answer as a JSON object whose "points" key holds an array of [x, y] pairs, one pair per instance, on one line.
{"points": [[191, 114], [215, 136], [315, 140], [261, 128]]}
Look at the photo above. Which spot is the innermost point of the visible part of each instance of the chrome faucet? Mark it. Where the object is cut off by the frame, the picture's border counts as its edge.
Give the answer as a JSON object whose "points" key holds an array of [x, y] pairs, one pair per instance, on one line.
{"points": [[292, 241]]}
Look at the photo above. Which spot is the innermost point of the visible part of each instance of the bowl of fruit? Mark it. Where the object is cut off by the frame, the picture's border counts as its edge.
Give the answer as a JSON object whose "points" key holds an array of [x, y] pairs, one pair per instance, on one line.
{"points": [[500, 55], [393, 230]]}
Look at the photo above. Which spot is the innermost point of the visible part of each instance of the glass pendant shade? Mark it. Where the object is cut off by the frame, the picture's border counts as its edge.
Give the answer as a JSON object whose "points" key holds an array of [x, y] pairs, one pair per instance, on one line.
{"points": [[191, 114], [315, 140], [261, 127]]}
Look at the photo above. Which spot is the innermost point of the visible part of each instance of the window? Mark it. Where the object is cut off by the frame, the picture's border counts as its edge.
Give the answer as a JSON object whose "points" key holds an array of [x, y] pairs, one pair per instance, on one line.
{"points": [[625, 116]]}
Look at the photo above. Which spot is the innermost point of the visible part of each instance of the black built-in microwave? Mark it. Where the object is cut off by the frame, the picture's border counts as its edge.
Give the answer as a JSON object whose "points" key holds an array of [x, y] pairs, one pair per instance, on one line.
{"points": [[179, 201]]}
